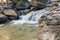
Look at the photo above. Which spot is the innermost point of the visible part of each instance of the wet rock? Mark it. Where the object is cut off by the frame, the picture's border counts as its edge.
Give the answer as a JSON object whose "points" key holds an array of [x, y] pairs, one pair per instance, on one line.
{"points": [[3, 18], [23, 5], [11, 14], [39, 6]]}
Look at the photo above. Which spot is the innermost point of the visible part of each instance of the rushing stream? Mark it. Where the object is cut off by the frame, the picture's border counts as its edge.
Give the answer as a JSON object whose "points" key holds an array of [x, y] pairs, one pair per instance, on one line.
{"points": [[31, 17]]}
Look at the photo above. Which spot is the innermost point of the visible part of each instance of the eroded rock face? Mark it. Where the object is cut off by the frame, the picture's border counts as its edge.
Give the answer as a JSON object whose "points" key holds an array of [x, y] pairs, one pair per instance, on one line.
{"points": [[49, 28]]}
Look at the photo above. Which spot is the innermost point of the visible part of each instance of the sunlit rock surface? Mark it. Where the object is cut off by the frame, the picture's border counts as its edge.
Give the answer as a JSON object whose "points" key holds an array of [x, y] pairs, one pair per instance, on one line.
{"points": [[11, 14]]}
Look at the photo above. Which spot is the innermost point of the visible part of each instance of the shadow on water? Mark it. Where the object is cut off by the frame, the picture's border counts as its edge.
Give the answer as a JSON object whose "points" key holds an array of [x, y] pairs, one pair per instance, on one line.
{"points": [[5, 23]]}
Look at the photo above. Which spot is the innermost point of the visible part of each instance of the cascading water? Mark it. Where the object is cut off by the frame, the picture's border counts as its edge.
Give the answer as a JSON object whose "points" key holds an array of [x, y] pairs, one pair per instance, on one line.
{"points": [[31, 17], [34, 16]]}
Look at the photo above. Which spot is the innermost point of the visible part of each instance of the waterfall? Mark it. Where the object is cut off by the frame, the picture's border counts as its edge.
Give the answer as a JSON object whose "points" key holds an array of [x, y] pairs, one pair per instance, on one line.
{"points": [[31, 17]]}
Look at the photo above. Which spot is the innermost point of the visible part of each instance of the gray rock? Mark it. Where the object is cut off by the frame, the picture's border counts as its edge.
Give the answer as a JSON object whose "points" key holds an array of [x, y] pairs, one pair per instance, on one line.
{"points": [[3, 18], [39, 6]]}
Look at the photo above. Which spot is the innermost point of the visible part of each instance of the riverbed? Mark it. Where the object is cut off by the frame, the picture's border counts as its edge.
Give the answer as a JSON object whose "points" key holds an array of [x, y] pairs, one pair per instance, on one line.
{"points": [[18, 32]]}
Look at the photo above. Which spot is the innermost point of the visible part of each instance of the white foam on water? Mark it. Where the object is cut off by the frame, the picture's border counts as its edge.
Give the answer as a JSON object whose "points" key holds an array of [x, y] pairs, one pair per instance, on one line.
{"points": [[22, 22]]}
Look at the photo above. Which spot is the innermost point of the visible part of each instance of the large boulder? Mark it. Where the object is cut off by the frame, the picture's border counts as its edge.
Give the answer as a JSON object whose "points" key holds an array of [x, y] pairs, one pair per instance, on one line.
{"points": [[3, 18], [49, 28], [11, 14]]}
